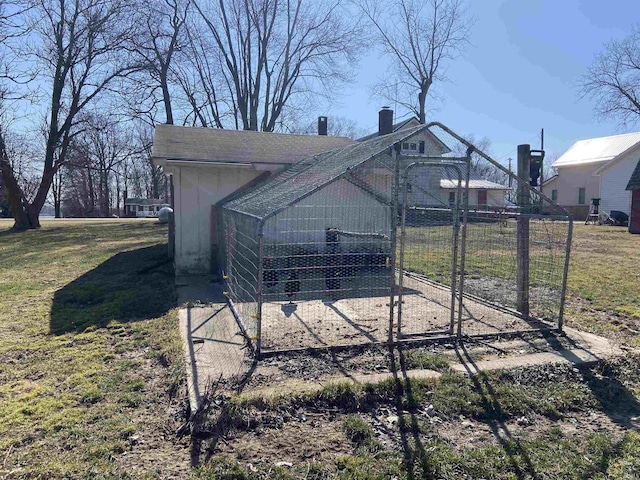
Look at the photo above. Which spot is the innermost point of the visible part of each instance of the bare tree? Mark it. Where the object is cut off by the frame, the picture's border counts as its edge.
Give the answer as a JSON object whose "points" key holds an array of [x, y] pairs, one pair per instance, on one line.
{"points": [[79, 46], [420, 36], [613, 80], [271, 50], [160, 38]]}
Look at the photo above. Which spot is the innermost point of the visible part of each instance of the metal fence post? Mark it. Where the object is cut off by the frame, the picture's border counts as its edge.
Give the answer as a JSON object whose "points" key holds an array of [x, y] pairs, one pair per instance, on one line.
{"points": [[394, 235], [522, 232]]}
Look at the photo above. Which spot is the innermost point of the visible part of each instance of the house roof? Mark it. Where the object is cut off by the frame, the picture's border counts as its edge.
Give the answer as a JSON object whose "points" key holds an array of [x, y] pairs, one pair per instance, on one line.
{"points": [[634, 181], [433, 145], [144, 201], [212, 145], [594, 150], [476, 181], [311, 173]]}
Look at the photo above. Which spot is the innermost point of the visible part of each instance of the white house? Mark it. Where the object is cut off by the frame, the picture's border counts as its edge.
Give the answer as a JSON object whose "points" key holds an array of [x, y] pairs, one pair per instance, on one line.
{"points": [[143, 207], [595, 168], [436, 187], [211, 165]]}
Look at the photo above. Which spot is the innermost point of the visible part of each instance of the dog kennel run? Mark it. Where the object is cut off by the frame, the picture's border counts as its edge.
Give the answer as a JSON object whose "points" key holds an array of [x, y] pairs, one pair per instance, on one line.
{"points": [[383, 242]]}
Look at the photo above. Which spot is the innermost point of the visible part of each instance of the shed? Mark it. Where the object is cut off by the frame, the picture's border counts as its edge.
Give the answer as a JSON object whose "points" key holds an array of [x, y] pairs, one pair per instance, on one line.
{"points": [[209, 165], [634, 186]]}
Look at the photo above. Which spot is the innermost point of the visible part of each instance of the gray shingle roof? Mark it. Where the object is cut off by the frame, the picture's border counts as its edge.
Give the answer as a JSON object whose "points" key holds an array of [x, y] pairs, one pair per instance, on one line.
{"points": [[634, 181], [237, 146], [313, 172]]}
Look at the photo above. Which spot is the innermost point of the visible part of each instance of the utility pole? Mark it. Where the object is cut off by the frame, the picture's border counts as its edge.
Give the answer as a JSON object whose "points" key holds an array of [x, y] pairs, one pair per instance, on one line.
{"points": [[542, 150]]}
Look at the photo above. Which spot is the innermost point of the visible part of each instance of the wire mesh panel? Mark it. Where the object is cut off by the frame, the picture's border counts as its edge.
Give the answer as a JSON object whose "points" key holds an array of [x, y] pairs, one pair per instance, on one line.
{"points": [[429, 248], [242, 261], [327, 275]]}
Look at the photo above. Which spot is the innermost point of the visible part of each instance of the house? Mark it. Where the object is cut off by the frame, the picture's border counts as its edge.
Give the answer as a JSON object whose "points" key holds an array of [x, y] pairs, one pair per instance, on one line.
{"points": [[595, 168], [143, 207], [209, 166], [634, 187], [427, 188]]}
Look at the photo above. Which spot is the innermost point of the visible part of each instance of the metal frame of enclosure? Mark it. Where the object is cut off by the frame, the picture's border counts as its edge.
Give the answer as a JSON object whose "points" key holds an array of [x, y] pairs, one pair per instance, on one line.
{"points": [[368, 244]]}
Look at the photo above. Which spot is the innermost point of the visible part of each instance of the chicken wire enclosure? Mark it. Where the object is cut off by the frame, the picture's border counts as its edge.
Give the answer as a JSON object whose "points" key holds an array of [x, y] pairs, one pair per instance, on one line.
{"points": [[309, 253], [365, 244]]}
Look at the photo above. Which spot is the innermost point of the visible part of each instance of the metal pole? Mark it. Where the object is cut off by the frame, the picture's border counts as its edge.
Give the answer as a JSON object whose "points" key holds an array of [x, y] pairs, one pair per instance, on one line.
{"points": [[394, 235], [522, 231], [454, 255], [565, 274], [402, 244], [463, 245], [259, 292]]}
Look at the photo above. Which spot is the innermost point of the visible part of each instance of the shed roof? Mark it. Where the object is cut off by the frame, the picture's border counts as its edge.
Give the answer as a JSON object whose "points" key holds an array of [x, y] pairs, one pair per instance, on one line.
{"points": [[594, 150], [634, 181], [215, 145], [313, 172]]}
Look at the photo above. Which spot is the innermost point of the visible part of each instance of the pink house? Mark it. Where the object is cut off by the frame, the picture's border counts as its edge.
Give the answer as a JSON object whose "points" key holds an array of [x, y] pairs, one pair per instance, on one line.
{"points": [[595, 168]]}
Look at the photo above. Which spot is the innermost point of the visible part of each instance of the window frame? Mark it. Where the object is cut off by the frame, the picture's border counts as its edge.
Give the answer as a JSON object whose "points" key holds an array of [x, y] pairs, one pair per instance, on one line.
{"points": [[582, 196]]}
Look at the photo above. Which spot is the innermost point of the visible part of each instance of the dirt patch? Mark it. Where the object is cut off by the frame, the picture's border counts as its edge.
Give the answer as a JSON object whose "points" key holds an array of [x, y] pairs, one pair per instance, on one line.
{"points": [[465, 433], [308, 438]]}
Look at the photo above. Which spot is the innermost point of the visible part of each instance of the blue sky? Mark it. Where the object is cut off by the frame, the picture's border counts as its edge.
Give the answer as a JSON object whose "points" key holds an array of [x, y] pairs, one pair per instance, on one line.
{"points": [[519, 75]]}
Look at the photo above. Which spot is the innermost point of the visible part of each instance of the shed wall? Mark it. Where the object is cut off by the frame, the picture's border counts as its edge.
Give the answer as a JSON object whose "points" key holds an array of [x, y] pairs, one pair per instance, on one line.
{"points": [[339, 205], [196, 189]]}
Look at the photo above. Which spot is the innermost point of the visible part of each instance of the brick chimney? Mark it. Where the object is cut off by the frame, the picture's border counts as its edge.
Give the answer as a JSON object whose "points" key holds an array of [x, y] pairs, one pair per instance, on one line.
{"points": [[385, 121], [322, 126]]}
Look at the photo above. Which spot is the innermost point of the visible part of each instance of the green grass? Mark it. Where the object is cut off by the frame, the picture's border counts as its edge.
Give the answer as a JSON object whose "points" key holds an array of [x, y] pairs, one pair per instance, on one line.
{"points": [[87, 343]]}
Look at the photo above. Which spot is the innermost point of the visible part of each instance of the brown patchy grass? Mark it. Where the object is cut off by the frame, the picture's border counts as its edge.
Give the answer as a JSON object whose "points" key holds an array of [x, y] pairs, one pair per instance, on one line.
{"points": [[90, 352]]}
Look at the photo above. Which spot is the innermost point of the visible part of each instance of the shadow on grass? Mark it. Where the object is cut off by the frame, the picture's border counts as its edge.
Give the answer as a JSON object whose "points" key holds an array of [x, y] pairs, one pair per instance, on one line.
{"points": [[133, 285]]}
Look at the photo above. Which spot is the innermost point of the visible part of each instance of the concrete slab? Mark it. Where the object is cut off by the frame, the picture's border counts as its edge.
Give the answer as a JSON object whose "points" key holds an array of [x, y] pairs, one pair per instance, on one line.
{"points": [[214, 348]]}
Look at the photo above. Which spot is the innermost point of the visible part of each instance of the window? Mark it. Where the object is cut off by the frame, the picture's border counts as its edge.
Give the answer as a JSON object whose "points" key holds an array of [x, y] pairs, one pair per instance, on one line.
{"points": [[452, 198], [140, 208], [408, 187], [409, 146], [554, 195], [405, 146], [581, 200]]}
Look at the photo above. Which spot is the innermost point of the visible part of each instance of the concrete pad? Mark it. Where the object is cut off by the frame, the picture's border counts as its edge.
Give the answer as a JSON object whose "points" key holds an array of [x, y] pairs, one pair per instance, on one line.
{"points": [[594, 349], [215, 350]]}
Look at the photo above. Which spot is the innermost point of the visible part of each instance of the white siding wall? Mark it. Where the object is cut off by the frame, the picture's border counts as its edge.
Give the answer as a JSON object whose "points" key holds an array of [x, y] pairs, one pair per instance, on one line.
{"points": [[613, 182], [570, 179], [196, 189], [338, 205]]}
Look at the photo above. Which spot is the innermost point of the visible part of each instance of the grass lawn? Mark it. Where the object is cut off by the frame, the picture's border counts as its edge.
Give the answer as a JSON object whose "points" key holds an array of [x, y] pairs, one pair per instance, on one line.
{"points": [[92, 382], [604, 282], [90, 355]]}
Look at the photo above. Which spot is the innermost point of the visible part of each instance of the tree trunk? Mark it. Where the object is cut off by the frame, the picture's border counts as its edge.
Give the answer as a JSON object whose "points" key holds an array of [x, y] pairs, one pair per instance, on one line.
{"points": [[22, 213], [422, 100]]}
